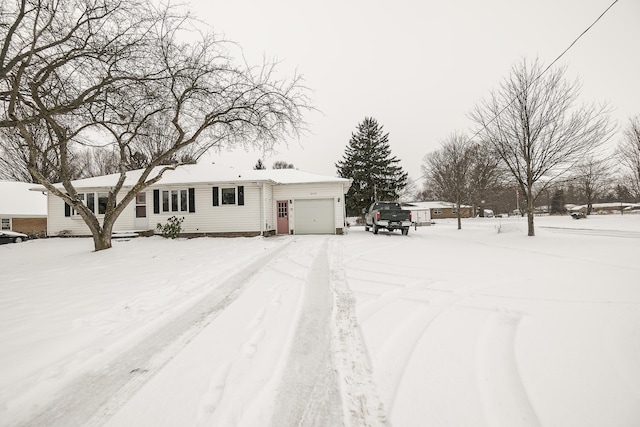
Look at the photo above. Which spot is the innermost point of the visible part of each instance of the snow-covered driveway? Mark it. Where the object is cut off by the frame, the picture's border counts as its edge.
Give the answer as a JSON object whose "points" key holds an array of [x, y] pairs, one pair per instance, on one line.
{"points": [[441, 327]]}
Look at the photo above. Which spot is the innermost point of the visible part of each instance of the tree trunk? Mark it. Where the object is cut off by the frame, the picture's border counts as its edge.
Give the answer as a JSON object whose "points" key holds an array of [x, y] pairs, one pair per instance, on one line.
{"points": [[530, 229], [102, 238], [102, 241]]}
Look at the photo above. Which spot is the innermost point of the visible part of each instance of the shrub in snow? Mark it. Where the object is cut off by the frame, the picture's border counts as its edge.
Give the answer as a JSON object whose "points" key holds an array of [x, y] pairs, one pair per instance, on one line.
{"points": [[172, 228]]}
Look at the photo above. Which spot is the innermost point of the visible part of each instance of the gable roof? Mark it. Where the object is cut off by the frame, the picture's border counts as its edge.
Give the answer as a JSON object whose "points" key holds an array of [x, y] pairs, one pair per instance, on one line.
{"points": [[206, 173], [17, 200]]}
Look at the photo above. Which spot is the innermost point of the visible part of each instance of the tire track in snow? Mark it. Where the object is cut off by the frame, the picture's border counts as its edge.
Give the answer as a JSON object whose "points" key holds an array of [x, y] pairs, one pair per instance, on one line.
{"points": [[92, 399], [363, 406], [504, 397], [309, 394]]}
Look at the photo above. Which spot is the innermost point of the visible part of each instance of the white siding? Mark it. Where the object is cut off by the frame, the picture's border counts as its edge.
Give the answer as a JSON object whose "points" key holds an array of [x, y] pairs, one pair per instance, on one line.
{"points": [[214, 219], [269, 211], [258, 213], [75, 225]]}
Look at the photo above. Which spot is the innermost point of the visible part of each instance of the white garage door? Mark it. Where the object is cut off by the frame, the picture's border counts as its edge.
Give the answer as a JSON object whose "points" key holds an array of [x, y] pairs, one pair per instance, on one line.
{"points": [[314, 216]]}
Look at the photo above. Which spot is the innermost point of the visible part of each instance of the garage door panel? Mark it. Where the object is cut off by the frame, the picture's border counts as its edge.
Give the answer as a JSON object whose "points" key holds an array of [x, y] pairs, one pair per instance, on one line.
{"points": [[314, 216]]}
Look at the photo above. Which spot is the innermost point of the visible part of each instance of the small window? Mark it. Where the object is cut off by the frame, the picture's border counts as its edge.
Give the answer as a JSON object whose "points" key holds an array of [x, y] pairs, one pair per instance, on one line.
{"points": [[437, 211], [165, 201], [103, 199], [6, 224], [228, 196], [183, 201], [174, 200], [141, 199], [91, 202]]}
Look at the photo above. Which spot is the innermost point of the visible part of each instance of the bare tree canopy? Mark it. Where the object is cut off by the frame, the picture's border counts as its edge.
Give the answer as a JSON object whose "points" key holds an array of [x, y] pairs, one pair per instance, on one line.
{"points": [[629, 155], [448, 171], [591, 176], [281, 164], [135, 80], [535, 125], [460, 172]]}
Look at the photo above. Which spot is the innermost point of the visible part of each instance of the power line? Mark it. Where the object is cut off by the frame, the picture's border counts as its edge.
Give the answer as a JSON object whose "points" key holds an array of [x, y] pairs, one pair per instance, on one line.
{"points": [[546, 69], [541, 74]]}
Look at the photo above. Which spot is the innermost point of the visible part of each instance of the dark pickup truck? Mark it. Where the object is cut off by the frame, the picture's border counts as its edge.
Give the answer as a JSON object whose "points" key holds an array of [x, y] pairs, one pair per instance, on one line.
{"points": [[388, 215]]}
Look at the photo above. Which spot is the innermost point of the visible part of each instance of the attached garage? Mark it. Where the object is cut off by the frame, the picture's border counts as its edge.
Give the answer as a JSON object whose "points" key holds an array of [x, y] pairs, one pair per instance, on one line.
{"points": [[314, 216]]}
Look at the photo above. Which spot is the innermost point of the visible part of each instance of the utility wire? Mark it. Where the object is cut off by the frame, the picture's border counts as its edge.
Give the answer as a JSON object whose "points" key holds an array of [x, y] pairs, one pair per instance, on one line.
{"points": [[545, 70], [541, 74]]}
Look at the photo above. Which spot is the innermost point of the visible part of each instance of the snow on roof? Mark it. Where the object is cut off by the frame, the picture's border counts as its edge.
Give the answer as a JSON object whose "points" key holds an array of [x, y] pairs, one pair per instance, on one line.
{"points": [[610, 205], [204, 173], [432, 205], [17, 200]]}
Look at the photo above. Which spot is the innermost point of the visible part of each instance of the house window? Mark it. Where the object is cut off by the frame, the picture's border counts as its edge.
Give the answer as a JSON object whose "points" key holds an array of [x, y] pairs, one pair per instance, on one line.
{"points": [[229, 196], [141, 205], [6, 224], [91, 202], [437, 211], [103, 198], [90, 199], [175, 200], [165, 201], [184, 200]]}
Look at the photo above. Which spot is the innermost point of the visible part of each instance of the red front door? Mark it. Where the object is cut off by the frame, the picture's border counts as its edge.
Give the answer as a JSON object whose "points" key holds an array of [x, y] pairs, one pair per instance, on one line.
{"points": [[283, 217]]}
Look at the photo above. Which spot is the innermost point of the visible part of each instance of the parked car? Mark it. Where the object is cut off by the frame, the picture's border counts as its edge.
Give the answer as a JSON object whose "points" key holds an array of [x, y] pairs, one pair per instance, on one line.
{"points": [[578, 215], [7, 236], [389, 215]]}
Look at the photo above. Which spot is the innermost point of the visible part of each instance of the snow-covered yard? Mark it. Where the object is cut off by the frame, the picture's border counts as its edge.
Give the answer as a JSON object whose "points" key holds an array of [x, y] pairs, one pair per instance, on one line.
{"points": [[444, 327]]}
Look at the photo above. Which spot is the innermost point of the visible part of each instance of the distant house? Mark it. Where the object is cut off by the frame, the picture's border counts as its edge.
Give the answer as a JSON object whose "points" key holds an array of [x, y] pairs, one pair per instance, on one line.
{"points": [[215, 201], [420, 214], [22, 210], [604, 208], [428, 211]]}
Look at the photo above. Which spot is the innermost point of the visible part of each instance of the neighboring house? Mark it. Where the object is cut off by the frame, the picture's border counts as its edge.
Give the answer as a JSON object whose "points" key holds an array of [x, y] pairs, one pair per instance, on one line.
{"points": [[22, 210], [215, 201], [603, 208], [420, 212], [437, 210]]}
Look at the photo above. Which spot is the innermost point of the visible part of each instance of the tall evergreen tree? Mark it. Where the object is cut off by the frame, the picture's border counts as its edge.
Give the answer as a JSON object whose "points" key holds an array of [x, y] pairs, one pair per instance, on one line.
{"points": [[368, 162], [557, 202]]}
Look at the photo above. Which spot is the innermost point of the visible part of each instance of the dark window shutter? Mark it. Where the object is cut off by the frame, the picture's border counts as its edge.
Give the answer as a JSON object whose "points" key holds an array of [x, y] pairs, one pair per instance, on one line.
{"points": [[156, 201], [216, 201], [192, 200], [67, 209], [241, 195]]}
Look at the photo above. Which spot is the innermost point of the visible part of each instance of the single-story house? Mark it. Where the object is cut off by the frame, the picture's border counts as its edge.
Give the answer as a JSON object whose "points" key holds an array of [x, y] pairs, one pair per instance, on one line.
{"points": [[437, 210], [215, 201], [22, 210], [603, 208], [420, 212]]}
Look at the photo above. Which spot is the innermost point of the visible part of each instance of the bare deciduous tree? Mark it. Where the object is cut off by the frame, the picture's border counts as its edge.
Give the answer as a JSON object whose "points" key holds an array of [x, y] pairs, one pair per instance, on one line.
{"points": [[449, 171], [592, 179], [111, 75], [629, 155], [534, 125]]}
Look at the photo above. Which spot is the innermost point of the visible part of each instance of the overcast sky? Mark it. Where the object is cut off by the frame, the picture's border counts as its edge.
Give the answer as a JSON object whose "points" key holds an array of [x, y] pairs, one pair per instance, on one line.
{"points": [[419, 67]]}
